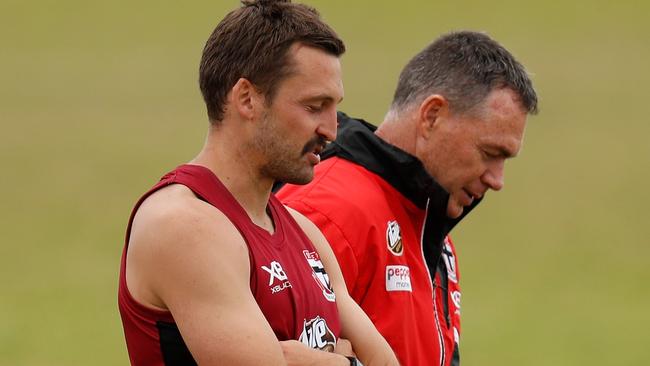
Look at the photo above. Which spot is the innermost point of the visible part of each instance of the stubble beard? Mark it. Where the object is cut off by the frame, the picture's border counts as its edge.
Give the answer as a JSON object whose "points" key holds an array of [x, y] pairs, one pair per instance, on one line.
{"points": [[283, 162]]}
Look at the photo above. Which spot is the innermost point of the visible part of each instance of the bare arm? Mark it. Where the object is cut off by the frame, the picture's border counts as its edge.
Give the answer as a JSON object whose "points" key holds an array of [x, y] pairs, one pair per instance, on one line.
{"points": [[297, 353], [369, 345], [186, 257]]}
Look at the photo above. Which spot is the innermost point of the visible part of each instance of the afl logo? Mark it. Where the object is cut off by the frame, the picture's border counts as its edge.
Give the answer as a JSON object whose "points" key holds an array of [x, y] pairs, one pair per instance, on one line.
{"points": [[394, 238]]}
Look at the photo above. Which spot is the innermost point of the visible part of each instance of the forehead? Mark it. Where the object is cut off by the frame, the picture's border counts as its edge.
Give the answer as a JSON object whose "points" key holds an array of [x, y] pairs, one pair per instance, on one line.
{"points": [[314, 72], [502, 121]]}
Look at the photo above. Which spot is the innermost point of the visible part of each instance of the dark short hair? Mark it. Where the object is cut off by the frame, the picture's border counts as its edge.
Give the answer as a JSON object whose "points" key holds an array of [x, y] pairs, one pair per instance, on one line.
{"points": [[252, 42], [464, 67]]}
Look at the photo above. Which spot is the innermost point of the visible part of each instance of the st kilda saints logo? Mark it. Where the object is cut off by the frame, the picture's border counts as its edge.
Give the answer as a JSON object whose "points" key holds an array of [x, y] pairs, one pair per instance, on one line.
{"points": [[319, 274], [317, 335], [450, 261], [394, 238]]}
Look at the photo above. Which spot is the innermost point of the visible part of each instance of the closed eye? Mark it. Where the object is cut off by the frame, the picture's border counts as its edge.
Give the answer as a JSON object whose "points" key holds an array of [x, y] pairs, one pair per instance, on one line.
{"points": [[491, 155], [319, 103], [498, 152], [313, 108]]}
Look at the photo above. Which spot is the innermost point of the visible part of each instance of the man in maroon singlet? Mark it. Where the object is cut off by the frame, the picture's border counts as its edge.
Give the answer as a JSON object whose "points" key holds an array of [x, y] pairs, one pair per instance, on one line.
{"points": [[215, 270]]}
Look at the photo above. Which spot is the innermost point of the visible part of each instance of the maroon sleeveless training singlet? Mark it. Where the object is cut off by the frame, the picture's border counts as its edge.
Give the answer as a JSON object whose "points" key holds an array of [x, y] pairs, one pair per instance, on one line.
{"points": [[287, 279]]}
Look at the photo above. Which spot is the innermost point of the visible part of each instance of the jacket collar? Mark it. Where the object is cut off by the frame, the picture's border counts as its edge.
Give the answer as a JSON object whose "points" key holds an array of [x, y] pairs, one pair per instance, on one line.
{"points": [[357, 142]]}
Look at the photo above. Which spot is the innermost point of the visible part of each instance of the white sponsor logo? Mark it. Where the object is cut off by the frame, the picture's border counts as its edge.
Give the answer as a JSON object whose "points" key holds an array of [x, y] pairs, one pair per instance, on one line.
{"points": [[316, 334], [319, 274], [398, 278], [277, 288], [450, 261], [276, 272], [456, 336], [394, 238]]}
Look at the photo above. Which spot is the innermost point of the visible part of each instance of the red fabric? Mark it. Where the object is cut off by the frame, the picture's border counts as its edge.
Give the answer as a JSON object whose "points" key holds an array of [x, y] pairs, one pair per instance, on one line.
{"points": [[353, 208], [301, 299]]}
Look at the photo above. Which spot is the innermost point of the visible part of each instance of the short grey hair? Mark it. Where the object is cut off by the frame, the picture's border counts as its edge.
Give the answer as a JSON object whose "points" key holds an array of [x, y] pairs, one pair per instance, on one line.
{"points": [[464, 67]]}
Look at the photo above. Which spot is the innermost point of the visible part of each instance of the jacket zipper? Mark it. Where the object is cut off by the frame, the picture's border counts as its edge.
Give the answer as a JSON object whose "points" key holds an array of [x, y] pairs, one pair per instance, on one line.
{"points": [[433, 289]]}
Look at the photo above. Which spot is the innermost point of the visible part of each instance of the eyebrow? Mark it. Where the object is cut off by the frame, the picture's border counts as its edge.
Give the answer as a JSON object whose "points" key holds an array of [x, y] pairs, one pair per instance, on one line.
{"points": [[321, 97]]}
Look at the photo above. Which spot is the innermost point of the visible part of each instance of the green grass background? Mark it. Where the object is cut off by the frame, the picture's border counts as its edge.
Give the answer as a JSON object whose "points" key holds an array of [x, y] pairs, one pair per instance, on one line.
{"points": [[98, 99]]}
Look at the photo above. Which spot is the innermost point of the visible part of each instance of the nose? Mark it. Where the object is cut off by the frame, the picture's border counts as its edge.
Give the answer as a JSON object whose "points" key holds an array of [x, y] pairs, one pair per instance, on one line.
{"points": [[328, 125], [493, 176]]}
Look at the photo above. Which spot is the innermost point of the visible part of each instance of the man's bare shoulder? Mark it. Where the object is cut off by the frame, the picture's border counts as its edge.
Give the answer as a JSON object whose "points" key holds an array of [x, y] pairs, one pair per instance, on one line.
{"points": [[171, 203], [178, 238], [175, 211], [305, 224], [311, 230]]}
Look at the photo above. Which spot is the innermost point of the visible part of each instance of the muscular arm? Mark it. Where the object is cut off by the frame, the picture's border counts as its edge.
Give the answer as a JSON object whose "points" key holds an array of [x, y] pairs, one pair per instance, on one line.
{"points": [[186, 257], [371, 348]]}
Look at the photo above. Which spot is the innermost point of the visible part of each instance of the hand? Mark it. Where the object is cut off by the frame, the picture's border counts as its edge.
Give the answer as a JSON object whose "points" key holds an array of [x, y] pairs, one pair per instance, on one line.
{"points": [[344, 347], [298, 354]]}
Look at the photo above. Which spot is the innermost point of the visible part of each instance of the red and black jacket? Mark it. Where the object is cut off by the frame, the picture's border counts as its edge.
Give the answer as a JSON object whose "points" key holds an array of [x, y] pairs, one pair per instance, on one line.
{"points": [[362, 184]]}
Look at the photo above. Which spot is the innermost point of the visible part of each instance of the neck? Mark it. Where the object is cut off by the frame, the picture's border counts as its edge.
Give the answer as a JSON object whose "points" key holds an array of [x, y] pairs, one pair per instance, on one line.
{"points": [[398, 131], [236, 165]]}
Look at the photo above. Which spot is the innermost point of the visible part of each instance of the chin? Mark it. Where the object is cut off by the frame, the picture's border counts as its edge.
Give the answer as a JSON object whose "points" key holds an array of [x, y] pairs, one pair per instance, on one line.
{"points": [[299, 179], [455, 215]]}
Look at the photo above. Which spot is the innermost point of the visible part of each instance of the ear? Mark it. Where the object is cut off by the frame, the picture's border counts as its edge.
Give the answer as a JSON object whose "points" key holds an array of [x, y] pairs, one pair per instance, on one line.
{"points": [[246, 99], [433, 110]]}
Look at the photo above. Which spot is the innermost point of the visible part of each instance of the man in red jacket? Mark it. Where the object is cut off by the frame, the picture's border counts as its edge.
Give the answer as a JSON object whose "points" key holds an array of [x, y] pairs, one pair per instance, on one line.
{"points": [[387, 197]]}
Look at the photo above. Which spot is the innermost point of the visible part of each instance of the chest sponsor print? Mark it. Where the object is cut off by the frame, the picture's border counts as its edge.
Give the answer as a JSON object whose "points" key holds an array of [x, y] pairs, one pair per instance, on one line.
{"points": [[317, 335], [394, 238], [398, 278], [319, 275]]}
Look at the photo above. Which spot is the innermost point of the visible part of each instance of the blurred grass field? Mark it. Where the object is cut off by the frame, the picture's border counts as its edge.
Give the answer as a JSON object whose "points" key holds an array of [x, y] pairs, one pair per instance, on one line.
{"points": [[97, 100]]}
